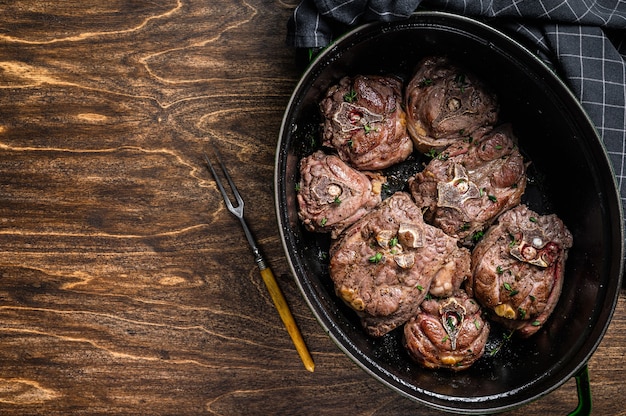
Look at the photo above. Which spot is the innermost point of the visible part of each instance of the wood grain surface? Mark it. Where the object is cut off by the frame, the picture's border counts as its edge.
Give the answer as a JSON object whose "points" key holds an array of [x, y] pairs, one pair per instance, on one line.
{"points": [[125, 286]]}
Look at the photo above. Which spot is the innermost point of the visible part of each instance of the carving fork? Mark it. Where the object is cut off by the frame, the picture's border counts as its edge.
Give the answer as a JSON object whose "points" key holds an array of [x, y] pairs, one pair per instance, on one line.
{"points": [[266, 272]]}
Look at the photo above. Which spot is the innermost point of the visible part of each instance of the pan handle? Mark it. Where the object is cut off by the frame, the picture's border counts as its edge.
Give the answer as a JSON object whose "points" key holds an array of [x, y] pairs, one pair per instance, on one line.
{"points": [[584, 393], [304, 56]]}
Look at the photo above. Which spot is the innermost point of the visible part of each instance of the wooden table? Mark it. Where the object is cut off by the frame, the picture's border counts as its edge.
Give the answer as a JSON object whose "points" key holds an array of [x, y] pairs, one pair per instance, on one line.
{"points": [[125, 285]]}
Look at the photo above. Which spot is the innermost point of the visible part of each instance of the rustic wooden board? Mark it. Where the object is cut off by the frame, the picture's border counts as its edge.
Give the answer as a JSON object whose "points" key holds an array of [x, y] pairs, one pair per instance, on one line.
{"points": [[125, 285]]}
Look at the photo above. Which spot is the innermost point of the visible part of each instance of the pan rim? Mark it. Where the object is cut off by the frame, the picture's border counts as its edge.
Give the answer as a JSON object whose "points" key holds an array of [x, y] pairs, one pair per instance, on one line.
{"points": [[339, 338]]}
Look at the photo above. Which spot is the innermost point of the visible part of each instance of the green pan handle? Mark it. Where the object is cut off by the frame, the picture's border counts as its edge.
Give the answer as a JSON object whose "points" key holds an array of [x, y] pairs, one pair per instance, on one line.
{"points": [[304, 56], [584, 393]]}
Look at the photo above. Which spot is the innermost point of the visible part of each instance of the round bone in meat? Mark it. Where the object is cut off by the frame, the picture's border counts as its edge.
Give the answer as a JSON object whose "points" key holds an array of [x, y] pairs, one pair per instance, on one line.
{"points": [[365, 123], [445, 103], [518, 268]]}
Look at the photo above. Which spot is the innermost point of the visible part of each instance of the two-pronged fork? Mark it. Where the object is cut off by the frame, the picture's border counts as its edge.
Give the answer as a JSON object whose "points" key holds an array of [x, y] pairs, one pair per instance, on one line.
{"points": [[266, 272]]}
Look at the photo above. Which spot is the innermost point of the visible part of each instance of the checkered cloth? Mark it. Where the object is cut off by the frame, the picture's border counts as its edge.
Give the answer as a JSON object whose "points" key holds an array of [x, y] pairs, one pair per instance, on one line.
{"points": [[584, 40]]}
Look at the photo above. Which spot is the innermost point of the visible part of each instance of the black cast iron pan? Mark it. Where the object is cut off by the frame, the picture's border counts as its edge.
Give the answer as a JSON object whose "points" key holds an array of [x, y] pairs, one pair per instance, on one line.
{"points": [[570, 176]]}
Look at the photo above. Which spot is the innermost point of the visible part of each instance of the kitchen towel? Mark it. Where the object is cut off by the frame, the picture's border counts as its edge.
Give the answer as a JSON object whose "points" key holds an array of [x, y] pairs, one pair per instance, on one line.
{"points": [[584, 41]]}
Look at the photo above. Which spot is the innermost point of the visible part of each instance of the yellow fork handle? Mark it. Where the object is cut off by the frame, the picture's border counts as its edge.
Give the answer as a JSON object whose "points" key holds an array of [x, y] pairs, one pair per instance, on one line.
{"points": [[287, 318]]}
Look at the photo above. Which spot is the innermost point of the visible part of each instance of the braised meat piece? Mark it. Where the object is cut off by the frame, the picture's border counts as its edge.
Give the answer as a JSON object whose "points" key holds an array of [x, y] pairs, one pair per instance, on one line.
{"points": [[471, 182], [364, 121], [447, 333], [518, 268], [332, 195], [445, 103], [383, 265]]}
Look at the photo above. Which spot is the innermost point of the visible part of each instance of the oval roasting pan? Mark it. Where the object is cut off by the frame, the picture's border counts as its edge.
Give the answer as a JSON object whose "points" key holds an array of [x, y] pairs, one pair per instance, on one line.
{"points": [[571, 176]]}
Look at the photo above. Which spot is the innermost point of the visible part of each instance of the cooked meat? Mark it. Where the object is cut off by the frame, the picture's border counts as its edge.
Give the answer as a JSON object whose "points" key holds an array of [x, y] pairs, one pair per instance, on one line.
{"points": [[364, 121], [445, 103], [332, 195], [518, 268], [471, 182], [383, 265], [447, 333]]}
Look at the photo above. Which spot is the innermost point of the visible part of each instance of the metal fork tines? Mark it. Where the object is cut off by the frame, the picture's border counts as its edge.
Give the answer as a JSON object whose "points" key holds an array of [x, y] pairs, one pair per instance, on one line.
{"points": [[237, 211], [266, 273]]}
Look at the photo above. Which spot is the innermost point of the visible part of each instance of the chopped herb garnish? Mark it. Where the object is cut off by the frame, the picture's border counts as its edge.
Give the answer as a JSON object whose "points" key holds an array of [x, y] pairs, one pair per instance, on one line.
{"points": [[425, 82], [324, 221], [337, 200], [536, 323], [434, 154], [445, 339], [509, 289], [450, 323], [393, 242], [350, 143], [476, 324], [532, 219], [297, 187], [367, 128], [492, 198], [532, 298], [506, 337], [350, 97], [460, 80], [376, 258], [420, 288], [478, 235], [499, 270], [498, 147], [522, 313]]}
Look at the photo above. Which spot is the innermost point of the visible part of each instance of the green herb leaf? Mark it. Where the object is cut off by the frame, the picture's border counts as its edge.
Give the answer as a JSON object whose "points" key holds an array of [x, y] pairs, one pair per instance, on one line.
{"points": [[478, 235], [433, 153], [376, 258], [350, 97]]}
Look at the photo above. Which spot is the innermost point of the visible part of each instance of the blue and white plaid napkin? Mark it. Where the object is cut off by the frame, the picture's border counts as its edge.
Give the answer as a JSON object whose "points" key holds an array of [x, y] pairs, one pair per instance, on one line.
{"points": [[585, 40]]}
